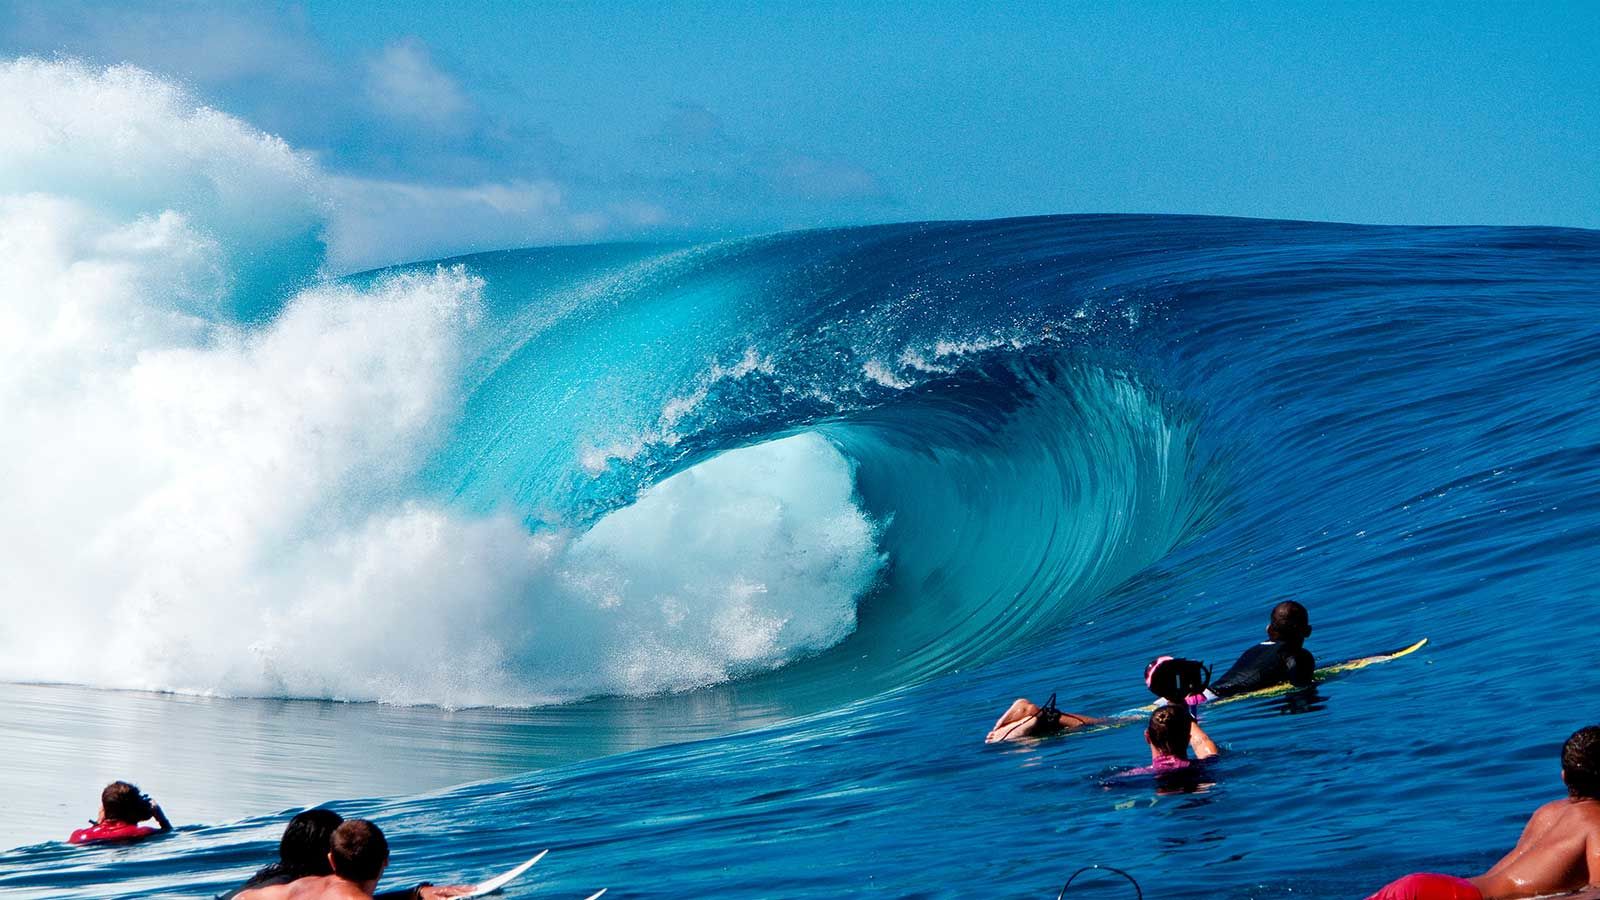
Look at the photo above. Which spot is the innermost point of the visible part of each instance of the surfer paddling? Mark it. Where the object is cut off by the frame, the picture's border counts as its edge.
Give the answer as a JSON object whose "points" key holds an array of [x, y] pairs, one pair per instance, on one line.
{"points": [[122, 808], [1280, 659], [1559, 850], [309, 864]]}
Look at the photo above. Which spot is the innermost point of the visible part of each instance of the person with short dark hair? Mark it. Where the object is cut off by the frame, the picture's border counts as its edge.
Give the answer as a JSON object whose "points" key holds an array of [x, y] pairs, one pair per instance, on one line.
{"points": [[1558, 852], [359, 852], [304, 852], [1281, 659], [122, 808], [1171, 731]]}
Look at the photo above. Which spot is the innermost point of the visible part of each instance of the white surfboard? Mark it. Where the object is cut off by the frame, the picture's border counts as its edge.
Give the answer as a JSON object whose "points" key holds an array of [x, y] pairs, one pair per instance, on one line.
{"points": [[500, 881], [596, 894]]}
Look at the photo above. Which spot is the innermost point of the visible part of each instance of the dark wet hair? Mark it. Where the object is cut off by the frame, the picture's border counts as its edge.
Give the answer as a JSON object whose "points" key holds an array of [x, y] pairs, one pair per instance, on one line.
{"points": [[1290, 624], [1168, 730], [1580, 763], [302, 851], [305, 843], [359, 851], [124, 803]]}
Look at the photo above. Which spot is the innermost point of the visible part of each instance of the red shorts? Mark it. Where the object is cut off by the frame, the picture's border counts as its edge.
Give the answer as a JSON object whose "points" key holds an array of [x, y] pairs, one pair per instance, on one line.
{"points": [[1428, 887]]}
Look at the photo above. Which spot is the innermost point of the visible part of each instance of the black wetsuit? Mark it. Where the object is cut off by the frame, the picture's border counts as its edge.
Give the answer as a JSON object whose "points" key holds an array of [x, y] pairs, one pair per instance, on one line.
{"points": [[1264, 665]]}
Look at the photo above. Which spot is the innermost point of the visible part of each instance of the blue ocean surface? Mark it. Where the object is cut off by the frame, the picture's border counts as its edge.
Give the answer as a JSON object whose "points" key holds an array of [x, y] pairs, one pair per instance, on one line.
{"points": [[731, 554]]}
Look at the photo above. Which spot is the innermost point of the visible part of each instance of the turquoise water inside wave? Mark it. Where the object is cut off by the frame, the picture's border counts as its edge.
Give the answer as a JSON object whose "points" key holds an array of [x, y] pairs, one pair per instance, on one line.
{"points": [[806, 512]]}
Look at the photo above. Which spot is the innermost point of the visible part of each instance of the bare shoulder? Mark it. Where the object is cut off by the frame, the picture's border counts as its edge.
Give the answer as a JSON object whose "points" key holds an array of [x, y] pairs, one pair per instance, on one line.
{"points": [[1583, 813], [1588, 812]]}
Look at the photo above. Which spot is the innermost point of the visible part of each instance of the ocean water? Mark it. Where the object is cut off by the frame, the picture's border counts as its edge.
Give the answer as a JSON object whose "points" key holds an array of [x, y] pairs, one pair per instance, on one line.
{"points": [[709, 566]]}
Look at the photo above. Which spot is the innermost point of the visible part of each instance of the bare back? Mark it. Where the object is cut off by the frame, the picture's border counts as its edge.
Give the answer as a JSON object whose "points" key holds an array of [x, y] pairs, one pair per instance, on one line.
{"points": [[324, 887], [1559, 851], [271, 892]]}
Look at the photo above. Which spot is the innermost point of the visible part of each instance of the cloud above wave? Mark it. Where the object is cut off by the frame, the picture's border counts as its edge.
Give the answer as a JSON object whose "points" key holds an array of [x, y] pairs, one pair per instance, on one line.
{"points": [[428, 151], [404, 83]]}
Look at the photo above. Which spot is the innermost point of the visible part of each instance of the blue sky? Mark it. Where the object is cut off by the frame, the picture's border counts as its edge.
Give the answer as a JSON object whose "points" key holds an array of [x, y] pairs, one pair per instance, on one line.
{"points": [[487, 125]]}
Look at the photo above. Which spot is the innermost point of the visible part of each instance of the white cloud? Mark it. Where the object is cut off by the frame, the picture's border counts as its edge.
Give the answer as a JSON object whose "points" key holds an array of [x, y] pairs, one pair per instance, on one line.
{"points": [[208, 44], [404, 83], [377, 222]]}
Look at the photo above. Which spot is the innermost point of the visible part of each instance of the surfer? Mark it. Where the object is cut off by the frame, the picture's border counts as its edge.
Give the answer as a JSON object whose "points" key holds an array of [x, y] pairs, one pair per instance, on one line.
{"points": [[1171, 732], [122, 808], [1028, 719], [303, 852], [1559, 850], [1280, 659]]}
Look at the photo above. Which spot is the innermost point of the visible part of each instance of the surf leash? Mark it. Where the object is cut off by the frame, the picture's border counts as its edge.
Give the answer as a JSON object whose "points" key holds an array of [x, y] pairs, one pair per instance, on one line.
{"points": [[1137, 893]]}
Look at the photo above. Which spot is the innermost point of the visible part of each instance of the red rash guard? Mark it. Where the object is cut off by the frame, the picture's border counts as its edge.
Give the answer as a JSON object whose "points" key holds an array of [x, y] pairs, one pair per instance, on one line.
{"points": [[110, 831]]}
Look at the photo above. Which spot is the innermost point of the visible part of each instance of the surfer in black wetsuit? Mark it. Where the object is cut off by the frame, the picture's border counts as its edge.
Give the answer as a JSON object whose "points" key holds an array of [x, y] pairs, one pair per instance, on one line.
{"points": [[1280, 659]]}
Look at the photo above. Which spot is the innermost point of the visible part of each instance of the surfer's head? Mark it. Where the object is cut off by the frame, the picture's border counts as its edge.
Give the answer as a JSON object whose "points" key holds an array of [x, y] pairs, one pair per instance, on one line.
{"points": [[122, 802], [304, 846], [1580, 763], [359, 851], [1290, 624], [1173, 679], [1168, 731]]}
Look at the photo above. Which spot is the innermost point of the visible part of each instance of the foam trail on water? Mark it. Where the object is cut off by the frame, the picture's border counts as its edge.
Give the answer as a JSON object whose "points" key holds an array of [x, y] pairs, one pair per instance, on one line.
{"points": [[212, 460]]}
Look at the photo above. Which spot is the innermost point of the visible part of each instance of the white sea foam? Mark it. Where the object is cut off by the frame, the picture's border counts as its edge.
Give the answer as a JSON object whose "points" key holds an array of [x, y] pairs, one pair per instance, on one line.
{"points": [[210, 462], [878, 373], [664, 433]]}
